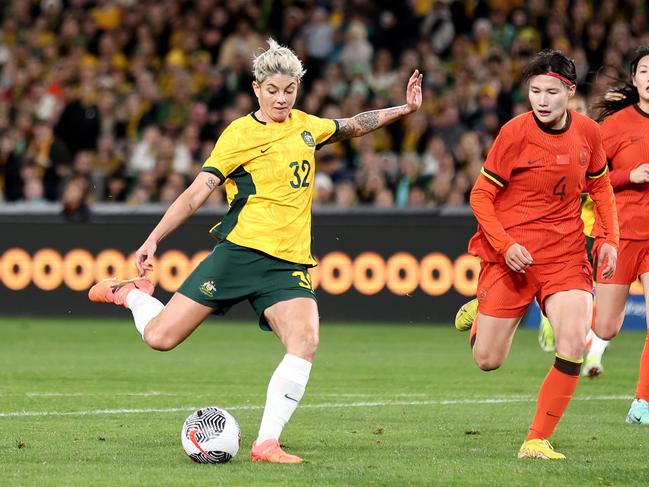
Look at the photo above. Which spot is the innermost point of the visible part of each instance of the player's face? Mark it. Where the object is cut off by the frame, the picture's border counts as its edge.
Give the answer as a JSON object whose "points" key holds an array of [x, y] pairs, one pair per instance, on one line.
{"points": [[549, 99], [641, 80], [276, 95]]}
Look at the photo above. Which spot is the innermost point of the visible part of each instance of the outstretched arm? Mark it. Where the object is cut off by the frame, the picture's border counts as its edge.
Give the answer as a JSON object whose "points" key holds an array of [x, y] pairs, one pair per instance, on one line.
{"points": [[185, 206], [366, 122]]}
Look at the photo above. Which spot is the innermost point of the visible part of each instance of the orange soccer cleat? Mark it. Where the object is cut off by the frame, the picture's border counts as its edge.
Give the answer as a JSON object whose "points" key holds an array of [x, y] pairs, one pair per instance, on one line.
{"points": [[114, 291], [270, 451]]}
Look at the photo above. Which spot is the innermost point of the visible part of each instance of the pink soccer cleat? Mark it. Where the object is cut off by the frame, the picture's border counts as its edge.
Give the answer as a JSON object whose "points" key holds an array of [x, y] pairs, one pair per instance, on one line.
{"points": [[114, 291], [270, 451]]}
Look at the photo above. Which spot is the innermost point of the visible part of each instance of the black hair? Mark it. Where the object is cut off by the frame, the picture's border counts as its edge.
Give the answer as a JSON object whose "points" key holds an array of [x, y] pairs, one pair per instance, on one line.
{"points": [[621, 85], [551, 61]]}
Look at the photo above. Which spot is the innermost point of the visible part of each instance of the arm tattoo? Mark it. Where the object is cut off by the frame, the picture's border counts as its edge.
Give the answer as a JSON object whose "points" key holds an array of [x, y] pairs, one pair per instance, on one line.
{"points": [[211, 183], [345, 130], [366, 122], [394, 113]]}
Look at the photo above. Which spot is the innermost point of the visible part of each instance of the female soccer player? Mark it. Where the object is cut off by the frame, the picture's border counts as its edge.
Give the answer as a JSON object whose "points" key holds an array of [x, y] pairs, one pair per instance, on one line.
{"points": [[592, 366], [625, 132], [266, 160], [530, 235]]}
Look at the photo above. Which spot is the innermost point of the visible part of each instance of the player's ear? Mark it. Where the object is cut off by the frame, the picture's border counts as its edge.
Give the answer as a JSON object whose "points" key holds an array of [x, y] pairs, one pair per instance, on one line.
{"points": [[256, 88]]}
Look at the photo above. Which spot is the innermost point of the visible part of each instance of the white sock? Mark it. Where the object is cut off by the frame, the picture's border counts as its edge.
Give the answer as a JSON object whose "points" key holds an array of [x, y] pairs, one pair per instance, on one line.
{"points": [[285, 389], [597, 347], [143, 307]]}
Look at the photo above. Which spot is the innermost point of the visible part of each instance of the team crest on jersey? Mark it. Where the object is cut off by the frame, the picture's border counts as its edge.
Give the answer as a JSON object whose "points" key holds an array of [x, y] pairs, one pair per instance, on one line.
{"points": [[583, 156], [208, 289], [308, 138]]}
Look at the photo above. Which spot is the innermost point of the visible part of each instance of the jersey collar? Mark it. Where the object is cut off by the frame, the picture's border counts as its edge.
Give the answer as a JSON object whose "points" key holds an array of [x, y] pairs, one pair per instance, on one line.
{"points": [[252, 114], [548, 130], [640, 111]]}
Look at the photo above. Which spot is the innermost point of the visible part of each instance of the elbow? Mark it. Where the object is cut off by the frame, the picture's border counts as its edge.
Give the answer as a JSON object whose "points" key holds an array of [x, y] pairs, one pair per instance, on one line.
{"points": [[476, 197]]}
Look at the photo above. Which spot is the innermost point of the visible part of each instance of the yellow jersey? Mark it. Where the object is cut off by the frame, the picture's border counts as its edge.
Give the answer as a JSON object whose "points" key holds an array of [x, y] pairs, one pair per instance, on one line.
{"points": [[588, 214], [268, 170]]}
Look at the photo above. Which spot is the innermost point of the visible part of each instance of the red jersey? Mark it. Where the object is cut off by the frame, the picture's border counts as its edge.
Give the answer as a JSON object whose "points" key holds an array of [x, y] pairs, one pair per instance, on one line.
{"points": [[529, 190], [626, 141]]}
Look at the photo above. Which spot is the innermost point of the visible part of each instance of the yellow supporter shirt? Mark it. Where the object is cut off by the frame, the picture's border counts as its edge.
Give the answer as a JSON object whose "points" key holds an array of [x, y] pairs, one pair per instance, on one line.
{"points": [[268, 171]]}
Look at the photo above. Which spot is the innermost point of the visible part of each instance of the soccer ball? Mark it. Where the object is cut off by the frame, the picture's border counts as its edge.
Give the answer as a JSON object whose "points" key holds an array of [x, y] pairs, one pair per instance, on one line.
{"points": [[211, 435]]}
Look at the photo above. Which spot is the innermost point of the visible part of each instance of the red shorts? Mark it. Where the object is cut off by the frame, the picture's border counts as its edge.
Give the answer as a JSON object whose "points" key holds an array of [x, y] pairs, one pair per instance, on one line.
{"points": [[504, 293], [632, 261]]}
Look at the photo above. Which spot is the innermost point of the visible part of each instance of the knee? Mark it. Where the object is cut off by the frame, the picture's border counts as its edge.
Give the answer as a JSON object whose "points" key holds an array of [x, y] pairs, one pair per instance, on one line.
{"points": [[572, 345], [607, 327], [304, 344], [607, 334], [158, 341], [311, 340], [487, 361]]}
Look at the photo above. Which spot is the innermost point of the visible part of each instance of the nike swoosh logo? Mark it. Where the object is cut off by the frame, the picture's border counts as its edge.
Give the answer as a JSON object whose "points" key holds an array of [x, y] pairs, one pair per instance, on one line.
{"points": [[552, 415], [290, 398], [264, 150], [533, 162], [192, 438], [634, 139]]}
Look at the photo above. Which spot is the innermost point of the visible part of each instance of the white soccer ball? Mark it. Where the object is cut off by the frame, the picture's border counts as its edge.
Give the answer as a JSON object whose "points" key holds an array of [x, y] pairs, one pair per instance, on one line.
{"points": [[211, 435]]}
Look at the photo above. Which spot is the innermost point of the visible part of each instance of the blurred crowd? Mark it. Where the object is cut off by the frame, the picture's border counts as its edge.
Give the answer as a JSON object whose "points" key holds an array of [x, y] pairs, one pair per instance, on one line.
{"points": [[123, 100]]}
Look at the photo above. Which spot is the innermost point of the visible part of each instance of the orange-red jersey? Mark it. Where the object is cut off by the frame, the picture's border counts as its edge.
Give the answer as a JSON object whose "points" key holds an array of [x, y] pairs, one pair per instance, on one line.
{"points": [[626, 141], [529, 190]]}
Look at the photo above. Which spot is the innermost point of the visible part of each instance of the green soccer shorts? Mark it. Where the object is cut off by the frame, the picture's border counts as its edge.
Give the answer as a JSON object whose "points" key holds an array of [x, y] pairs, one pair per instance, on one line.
{"points": [[231, 274]]}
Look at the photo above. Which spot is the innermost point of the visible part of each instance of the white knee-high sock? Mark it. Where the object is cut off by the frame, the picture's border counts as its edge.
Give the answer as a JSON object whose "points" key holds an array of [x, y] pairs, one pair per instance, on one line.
{"points": [[285, 389], [597, 347], [143, 307]]}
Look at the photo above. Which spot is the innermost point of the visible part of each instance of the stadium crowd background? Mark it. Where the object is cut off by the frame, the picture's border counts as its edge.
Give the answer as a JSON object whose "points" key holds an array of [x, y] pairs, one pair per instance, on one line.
{"points": [[123, 100]]}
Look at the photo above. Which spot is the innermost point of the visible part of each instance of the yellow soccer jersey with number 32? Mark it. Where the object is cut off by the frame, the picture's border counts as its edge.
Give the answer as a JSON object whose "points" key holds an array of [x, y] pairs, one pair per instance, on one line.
{"points": [[268, 171]]}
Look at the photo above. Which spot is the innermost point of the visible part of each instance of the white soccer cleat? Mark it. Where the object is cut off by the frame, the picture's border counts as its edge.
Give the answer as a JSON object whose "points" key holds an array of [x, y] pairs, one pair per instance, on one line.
{"points": [[592, 367]]}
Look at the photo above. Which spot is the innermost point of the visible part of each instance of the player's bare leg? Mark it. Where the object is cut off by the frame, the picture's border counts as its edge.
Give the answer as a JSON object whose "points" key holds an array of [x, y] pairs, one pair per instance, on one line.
{"points": [[493, 340], [570, 313], [611, 300], [172, 324], [162, 327], [608, 321], [296, 323]]}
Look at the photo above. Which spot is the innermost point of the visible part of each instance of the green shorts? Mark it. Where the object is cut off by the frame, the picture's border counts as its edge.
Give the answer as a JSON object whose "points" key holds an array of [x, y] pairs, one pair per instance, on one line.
{"points": [[231, 274], [589, 249]]}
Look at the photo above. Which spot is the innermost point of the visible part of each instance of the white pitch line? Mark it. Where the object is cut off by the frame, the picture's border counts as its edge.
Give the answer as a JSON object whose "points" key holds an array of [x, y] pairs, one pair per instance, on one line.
{"points": [[177, 394], [84, 394], [369, 404]]}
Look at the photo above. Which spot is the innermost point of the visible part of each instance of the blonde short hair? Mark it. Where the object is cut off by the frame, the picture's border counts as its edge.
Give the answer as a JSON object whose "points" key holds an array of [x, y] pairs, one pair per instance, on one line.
{"points": [[276, 60]]}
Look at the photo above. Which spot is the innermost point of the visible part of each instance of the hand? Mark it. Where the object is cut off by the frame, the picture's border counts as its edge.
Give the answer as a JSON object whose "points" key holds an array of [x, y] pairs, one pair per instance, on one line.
{"points": [[614, 96], [607, 257], [640, 174], [413, 91], [144, 257], [518, 258]]}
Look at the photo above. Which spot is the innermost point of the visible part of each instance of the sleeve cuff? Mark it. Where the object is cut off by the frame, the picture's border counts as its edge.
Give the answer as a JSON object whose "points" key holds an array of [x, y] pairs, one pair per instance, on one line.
{"points": [[324, 142], [216, 172]]}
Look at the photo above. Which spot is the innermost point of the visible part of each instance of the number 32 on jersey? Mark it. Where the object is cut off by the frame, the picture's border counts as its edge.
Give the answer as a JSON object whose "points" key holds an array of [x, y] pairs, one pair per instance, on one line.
{"points": [[301, 174]]}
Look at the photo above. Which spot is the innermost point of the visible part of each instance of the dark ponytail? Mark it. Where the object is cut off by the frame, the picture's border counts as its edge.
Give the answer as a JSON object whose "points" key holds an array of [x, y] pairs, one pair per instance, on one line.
{"points": [[622, 86]]}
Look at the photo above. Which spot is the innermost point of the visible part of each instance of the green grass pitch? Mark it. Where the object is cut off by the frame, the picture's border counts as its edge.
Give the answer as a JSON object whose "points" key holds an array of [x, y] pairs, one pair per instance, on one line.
{"points": [[86, 403]]}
